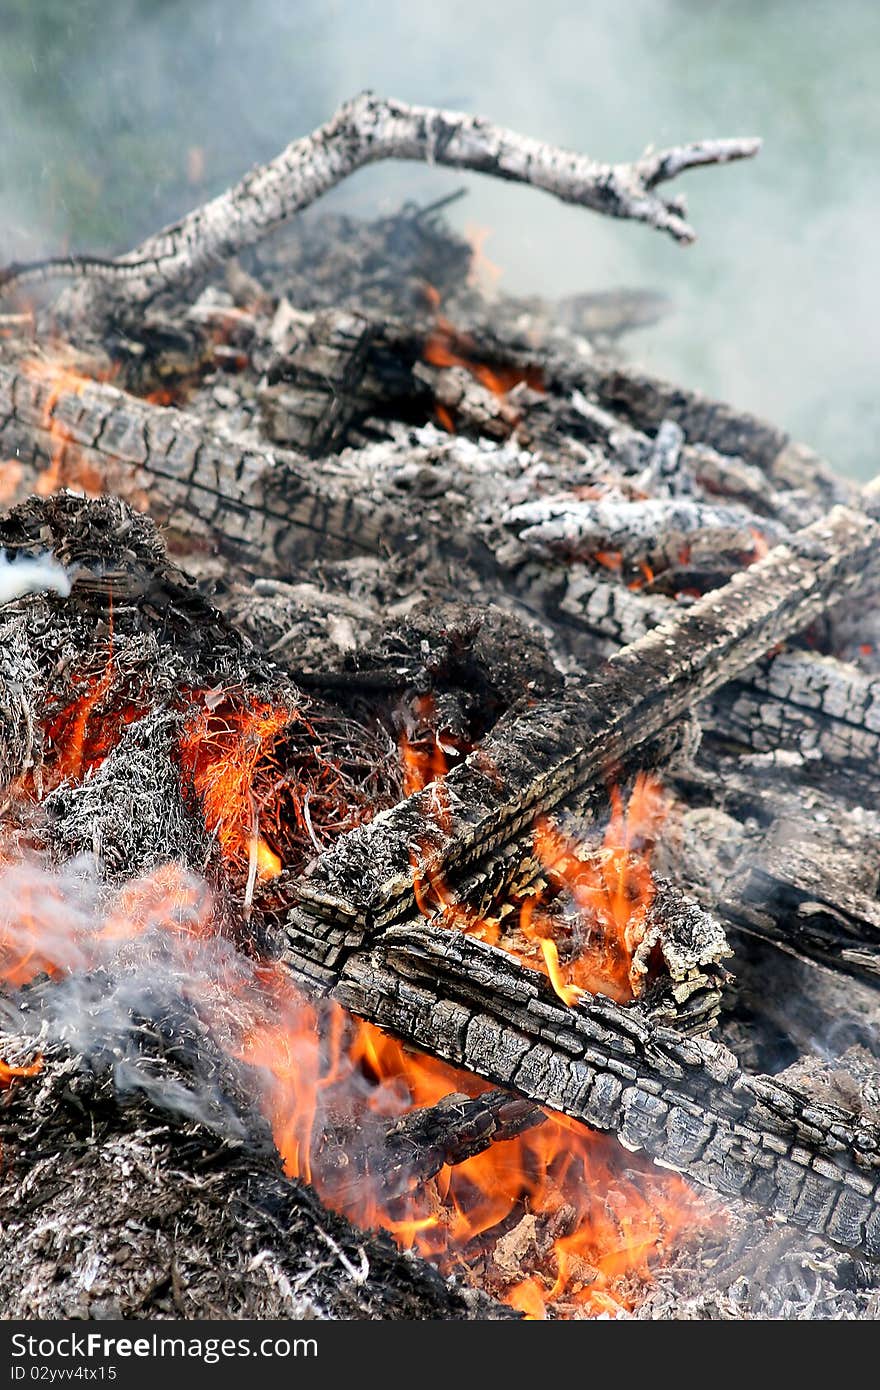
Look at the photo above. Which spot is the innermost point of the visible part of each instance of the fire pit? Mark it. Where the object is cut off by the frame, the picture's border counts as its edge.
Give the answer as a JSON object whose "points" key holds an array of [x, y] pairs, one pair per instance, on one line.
{"points": [[439, 866]]}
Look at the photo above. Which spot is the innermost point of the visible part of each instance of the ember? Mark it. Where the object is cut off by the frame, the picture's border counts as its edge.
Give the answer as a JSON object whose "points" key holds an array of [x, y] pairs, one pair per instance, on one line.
{"points": [[80, 736], [446, 347]]}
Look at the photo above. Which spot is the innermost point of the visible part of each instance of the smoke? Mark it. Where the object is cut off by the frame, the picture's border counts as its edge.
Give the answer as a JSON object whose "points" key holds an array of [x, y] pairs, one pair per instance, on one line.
{"points": [[126, 115], [31, 575], [144, 981], [127, 966]]}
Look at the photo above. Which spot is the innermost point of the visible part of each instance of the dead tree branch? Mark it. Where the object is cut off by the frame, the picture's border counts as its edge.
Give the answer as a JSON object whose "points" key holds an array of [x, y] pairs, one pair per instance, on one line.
{"points": [[365, 131]]}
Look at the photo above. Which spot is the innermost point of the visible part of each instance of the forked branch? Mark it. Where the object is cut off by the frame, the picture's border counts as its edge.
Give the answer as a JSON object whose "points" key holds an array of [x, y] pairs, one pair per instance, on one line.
{"points": [[365, 131]]}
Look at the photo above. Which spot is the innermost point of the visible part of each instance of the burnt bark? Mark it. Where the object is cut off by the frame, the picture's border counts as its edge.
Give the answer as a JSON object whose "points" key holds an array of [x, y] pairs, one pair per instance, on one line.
{"points": [[458, 1127], [685, 1101], [564, 747]]}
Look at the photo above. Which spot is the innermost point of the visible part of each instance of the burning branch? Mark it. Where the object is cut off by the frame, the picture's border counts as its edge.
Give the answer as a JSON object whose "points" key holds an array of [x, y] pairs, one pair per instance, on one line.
{"points": [[365, 131]]}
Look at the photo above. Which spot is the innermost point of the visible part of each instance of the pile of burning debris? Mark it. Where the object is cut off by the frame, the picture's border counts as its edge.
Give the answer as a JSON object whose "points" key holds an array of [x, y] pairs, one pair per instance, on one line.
{"points": [[439, 866]]}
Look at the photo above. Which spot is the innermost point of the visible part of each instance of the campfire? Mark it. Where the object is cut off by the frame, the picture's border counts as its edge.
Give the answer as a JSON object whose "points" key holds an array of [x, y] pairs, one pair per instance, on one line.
{"points": [[438, 872]]}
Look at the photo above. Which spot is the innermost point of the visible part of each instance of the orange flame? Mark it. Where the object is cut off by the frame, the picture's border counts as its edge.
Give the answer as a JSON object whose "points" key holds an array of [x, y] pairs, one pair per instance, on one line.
{"points": [[482, 273], [448, 347], [549, 1221], [265, 801], [11, 474], [612, 890], [67, 466], [9, 1075], [593, 1228], [221, 750], [602, 1226], [760, 547]]}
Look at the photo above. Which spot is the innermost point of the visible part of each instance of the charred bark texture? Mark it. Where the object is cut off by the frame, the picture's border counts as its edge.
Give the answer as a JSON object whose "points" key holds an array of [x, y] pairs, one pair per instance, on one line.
{"points": [[685, 1101], [267, 509], [562, 748]]}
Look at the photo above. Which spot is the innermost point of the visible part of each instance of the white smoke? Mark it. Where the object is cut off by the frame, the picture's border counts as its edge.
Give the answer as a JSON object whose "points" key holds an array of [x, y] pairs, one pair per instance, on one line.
{"points": [[128, 966], [29, 574]]}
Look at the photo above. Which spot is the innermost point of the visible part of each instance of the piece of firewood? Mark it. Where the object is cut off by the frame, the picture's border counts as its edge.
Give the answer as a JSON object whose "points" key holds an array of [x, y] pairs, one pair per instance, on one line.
{"points": [[415, 1147], [567, 745], [685, 1101], [794, 700], [266, 507]]}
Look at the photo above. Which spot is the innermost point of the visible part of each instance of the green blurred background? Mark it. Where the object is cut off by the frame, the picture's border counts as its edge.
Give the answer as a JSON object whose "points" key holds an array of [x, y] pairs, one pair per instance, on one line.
{"points": [[118, 115]]}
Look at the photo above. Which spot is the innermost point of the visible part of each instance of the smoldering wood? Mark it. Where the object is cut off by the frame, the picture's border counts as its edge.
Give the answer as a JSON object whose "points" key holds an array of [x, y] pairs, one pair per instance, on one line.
{"points": [[634, 530], [202, 485], [341, 378], [327, 374], [540, 759], [115, 1207], [416, 1147], [685, 1101], [797, 868]]}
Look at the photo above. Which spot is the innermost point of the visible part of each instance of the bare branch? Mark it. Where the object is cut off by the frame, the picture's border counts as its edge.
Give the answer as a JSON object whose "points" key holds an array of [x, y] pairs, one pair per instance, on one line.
{"points": [[365, 131]]}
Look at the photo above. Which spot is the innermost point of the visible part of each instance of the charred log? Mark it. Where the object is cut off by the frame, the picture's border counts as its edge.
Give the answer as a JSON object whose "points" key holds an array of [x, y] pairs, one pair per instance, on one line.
{"points": [[563, 748], [684, 1101]]}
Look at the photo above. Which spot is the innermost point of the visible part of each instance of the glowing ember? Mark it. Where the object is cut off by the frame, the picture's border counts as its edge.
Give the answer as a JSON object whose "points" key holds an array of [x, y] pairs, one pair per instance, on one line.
{"points": [[447, 347], [9, 1075], [221, 750], [81, 735], [609, 560]]}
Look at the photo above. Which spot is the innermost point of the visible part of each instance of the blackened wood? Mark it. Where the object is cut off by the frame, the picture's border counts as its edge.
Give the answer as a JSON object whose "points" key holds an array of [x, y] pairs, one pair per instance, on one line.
{"points": [[457, 1128], [784, 862], [264, 507], [685, 1101], [534, 762], [795, 699]]}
